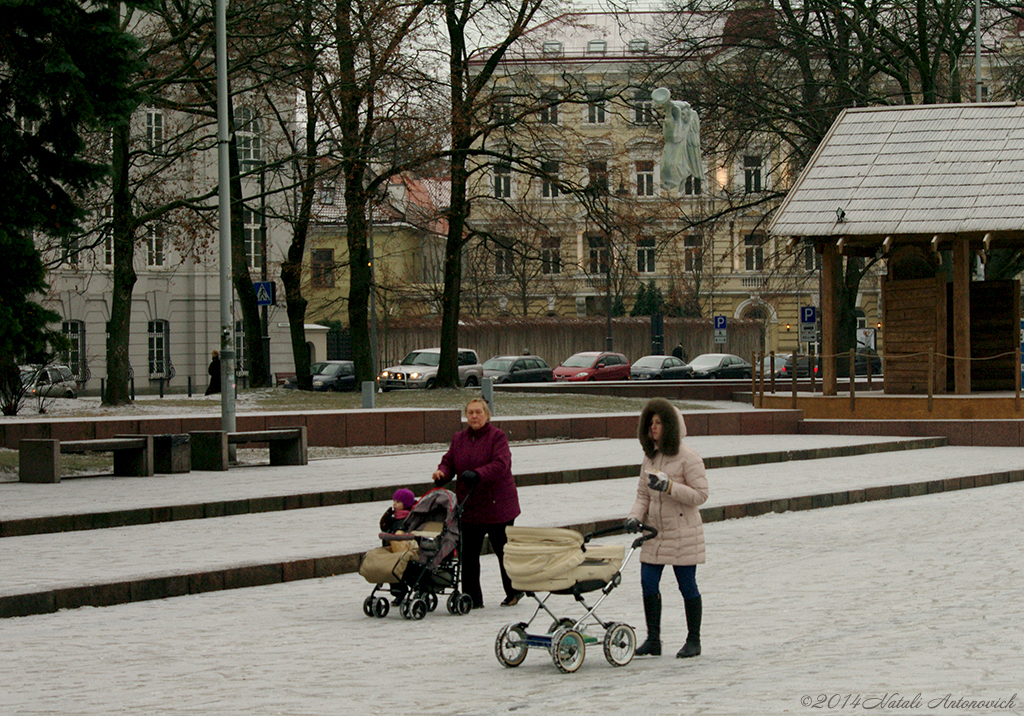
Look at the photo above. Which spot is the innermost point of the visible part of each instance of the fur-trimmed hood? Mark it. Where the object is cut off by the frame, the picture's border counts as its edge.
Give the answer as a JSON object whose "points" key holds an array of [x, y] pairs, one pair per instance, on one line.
{"points": [[673, 432]]}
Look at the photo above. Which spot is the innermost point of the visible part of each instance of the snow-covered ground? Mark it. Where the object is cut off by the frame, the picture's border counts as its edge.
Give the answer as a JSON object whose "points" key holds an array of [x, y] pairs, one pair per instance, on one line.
{"points": [[804, 613], [895, 607]]}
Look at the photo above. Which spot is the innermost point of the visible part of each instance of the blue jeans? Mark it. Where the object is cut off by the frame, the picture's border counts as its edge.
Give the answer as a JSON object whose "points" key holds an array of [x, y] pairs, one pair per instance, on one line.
{"points": [[686, 576]]}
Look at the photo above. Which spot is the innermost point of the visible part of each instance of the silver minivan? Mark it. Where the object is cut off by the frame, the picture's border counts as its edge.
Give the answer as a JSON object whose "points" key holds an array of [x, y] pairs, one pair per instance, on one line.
{"points": [[52, 381]]}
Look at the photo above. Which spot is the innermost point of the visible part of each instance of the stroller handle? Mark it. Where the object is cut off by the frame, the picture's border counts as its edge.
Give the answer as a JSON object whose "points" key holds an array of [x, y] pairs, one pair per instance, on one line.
{"points": [[649, 533]]}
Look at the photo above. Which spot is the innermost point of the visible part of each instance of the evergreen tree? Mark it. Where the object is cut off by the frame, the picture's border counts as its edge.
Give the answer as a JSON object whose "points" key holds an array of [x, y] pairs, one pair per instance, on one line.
{"points": [[649, 300], [63, 71]]}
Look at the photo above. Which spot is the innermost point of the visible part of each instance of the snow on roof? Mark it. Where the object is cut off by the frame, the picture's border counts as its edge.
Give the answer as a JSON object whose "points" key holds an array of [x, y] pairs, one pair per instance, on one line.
{"points": [[914, 170]]}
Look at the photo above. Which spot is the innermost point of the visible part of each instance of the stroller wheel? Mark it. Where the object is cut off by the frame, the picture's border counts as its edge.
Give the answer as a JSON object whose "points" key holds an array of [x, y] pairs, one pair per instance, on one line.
{"points": [[564, 622], [418, 608], [431, 602], [567, 650], [368, 606], [619, 644], [510, 647], [381, 607], [403, 609], [464, 604], [453, 603]]}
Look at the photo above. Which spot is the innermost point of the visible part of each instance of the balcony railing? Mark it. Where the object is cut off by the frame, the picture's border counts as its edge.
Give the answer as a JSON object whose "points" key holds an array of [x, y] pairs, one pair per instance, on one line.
{"points": [[754, 282]]}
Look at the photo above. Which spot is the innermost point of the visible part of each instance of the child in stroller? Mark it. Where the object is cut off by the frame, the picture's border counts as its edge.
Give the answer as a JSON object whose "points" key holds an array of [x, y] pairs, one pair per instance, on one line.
{"points": [[420, 562], [560, 561]]}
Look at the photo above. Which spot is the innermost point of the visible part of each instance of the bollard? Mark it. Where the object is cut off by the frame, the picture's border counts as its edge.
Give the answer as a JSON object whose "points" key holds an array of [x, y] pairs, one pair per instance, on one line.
{"points": [[487, 386], [190, 386], [369, 394]]}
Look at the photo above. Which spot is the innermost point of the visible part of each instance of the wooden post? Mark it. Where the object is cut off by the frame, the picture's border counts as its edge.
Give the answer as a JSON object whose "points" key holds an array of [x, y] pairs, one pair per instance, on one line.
{"points": [[931, 377], [753, 379], [829, 280], [853, 380], [796, 369], [810, 367], [961, 316], [771, 362]]}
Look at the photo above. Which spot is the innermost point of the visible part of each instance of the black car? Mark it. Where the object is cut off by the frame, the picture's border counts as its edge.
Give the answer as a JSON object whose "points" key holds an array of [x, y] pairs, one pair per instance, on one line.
{"points": [[860, 363], [518, 369], [332, 375], [659, 368], [720, 365], [783, 367]]}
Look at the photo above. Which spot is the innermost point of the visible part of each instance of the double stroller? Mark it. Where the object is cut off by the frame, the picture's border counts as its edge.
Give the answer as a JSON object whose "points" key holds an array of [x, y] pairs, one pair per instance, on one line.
{"points": [[420, 564], [562, 562]]}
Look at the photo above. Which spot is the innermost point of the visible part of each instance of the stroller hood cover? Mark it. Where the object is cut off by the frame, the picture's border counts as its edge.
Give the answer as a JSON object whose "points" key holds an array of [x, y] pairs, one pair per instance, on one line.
{"points": [[552, 558], [437, 506]]}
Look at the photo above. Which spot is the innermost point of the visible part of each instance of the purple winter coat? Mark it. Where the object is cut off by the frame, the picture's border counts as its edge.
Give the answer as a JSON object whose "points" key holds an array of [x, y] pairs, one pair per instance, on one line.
{"points": [[495, 500]]}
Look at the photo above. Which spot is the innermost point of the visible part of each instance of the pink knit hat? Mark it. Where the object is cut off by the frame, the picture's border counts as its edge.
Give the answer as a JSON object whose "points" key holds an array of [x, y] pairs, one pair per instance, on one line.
{"points": [[405, 496]]}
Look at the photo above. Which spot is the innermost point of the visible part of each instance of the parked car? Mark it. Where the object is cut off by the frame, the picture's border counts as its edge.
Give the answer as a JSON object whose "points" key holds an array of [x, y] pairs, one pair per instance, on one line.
{"points": [[593, 365], [659, 368], [783, 366], [860, 363], [52, 381], [720, 365], [518, 369], [333, 375], [419, 370]]}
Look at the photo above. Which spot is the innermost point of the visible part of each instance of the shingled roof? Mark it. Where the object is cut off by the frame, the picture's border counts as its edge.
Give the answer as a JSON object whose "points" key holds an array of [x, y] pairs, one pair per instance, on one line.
{"points": [[913, 172]]}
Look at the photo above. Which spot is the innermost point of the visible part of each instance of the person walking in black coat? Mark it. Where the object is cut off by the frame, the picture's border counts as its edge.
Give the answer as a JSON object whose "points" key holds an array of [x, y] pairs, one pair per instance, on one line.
{"points": [[214, 372]]}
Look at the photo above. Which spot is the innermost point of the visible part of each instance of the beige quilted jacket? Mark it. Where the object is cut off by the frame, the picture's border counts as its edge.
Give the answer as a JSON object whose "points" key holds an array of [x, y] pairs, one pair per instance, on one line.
{"points": [[676, 513]]}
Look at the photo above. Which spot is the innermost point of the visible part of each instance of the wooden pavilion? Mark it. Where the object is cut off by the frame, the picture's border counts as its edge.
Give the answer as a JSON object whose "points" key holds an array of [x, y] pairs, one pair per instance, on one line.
{"points": [[911, 182]]}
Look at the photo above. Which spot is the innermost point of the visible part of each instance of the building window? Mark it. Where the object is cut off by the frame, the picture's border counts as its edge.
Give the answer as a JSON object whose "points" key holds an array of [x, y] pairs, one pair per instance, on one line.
{"points": [[597, 47], [502, 257], [159, 349], [812, 259], [550, 255], [638, 46], [321, 268], [155, 245], [754, 250], [645, 178], [247, 135], [502, 181], [154, 130], [549, 111], [253, 239], [552, 47], [108, 236], [549, 182], [74, 356], [597, 177], [241, 355], [645, 255], [643, 108], [692, 186], [501, 110], [597, 109], [752, 173], [693, 256], [598, 262], [70, 248], [327, 191]]}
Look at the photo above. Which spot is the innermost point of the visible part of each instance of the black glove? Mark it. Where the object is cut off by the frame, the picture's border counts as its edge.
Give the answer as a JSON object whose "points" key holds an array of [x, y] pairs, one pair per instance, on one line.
{"points": [[470, 477], [657, 481], [632, 524]]}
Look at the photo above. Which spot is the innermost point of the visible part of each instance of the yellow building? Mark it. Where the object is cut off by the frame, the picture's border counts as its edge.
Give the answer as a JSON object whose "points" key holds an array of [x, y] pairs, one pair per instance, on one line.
{"points": [[570, 210]]}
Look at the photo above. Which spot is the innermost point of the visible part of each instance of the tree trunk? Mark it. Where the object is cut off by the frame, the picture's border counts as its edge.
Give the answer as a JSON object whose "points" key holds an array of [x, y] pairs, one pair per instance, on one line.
{"points": [[119, 325]]}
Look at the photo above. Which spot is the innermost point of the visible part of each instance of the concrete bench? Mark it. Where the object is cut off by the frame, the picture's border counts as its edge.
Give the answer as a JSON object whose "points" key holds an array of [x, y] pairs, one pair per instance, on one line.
{"points": [[40, 461], [288, 446]]}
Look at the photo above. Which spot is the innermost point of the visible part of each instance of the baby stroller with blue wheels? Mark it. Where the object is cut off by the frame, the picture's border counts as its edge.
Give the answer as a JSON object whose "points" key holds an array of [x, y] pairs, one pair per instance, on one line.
{"points": [[419, 564], [560, 562]]}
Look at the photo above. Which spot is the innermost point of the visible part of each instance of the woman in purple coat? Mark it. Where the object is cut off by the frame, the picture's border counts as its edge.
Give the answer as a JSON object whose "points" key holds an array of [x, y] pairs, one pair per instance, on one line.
{"points": [[480, 457]]}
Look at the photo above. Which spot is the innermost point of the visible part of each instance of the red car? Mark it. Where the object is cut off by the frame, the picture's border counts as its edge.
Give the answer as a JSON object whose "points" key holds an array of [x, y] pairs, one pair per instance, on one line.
{"points": [[593, 365]]}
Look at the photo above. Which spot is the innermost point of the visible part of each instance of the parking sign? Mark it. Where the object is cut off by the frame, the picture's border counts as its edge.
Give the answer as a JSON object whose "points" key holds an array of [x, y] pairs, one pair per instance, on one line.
{"points": [[808, 324], [808, 314], [720, 329]]}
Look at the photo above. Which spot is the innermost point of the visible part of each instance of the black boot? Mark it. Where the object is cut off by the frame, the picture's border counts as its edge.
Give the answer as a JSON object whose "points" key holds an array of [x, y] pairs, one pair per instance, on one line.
{"points": [[652, 613], [694, 608]]}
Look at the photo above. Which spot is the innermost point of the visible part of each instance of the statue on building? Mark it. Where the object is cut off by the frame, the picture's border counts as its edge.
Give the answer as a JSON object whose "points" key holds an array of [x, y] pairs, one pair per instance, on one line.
{"points": [[681, 156]]}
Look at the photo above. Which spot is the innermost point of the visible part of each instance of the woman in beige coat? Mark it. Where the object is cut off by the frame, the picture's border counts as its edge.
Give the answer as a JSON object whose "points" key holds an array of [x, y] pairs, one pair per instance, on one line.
{"points": [[671, 490]]}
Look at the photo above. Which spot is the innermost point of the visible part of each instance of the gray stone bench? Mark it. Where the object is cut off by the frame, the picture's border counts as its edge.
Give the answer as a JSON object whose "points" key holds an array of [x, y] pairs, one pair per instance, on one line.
{"points": [[288, 446], [40, 461]]}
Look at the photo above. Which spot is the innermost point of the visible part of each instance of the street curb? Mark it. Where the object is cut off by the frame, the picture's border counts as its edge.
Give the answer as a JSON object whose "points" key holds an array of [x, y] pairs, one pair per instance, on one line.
{"points": [[331, 498], [160, 587]]}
